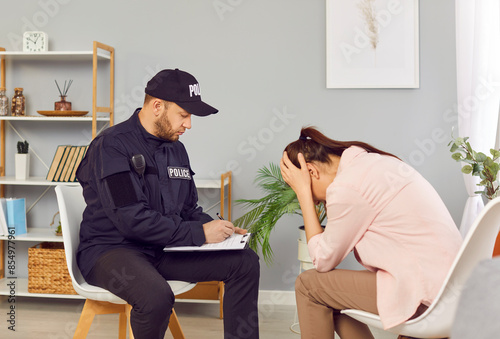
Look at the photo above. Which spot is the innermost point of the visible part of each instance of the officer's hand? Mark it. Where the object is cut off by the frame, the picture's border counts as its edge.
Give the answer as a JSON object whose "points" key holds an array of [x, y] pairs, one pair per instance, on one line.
{"points": [[219, 230]]}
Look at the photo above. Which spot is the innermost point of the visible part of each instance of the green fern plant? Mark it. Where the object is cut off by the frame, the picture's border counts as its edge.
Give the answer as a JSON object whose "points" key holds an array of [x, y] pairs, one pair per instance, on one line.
{"points": [[279, 199]]}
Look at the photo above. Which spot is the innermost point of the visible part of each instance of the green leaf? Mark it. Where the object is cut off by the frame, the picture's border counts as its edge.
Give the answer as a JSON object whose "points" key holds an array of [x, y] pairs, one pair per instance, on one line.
{"points": [[467, 169], [494, 168], [477, 169], [484, 182], [469, 148], [495, 153], [488, 162], [480, 157], [453, 148], [457, 156]]}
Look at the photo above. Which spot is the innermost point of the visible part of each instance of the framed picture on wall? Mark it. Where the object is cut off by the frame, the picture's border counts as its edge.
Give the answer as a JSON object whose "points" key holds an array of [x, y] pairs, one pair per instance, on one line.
{"points": [[372, 44]]}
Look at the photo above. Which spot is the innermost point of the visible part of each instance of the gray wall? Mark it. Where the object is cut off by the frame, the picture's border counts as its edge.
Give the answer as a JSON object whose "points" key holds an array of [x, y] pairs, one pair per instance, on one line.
{"points": [[262, 63]]}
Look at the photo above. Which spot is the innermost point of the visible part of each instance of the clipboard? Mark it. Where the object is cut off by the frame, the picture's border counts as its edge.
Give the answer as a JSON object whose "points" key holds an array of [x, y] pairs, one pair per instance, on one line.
{"points": [[234, 242]]}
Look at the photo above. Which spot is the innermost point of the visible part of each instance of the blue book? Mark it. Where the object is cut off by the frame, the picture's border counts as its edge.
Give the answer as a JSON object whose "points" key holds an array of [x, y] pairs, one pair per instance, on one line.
{"points": [[16, 215]]}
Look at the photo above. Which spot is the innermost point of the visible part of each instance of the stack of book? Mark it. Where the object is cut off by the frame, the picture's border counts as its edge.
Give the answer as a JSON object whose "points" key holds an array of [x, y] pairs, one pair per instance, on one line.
{"points": [[65, 163]]}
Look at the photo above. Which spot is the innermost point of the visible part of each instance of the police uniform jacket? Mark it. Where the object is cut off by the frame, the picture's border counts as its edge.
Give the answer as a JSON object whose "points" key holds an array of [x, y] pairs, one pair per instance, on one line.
{"points": [[128, 209]]}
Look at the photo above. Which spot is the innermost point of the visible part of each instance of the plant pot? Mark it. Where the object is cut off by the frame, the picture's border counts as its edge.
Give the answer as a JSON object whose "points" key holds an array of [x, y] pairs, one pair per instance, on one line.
{"points": [[302, 233], [22, 163]]}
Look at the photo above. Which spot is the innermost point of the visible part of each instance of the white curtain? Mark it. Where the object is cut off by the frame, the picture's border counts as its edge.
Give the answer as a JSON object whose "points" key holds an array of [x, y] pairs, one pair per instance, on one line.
{"points": [[478, 85]]}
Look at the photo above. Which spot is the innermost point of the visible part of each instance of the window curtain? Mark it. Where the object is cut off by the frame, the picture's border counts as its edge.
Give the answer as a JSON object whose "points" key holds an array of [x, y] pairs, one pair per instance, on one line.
{"points": [[478, 85]]}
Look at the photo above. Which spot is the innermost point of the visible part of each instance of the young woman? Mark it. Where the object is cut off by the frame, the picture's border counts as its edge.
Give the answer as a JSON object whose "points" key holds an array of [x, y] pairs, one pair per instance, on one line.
{"points": [[383, 210]]}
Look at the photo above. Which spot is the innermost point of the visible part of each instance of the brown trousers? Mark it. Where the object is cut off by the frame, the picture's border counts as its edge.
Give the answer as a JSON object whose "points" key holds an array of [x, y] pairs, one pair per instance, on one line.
{"points": [[321, 296]]}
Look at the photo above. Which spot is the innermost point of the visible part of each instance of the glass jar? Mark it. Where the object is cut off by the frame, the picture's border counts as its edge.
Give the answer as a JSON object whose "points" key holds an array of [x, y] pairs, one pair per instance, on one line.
{"points": [[4, 102], [18, 103]]}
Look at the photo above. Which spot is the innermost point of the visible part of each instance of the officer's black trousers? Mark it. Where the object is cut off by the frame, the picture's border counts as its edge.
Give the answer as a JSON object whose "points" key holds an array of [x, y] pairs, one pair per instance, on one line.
{"points": [[139, 279]]}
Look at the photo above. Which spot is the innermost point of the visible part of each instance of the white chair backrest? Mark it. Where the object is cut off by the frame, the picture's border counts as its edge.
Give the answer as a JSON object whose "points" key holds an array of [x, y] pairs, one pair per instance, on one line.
{"points": [[477, 246], [71, 206]]}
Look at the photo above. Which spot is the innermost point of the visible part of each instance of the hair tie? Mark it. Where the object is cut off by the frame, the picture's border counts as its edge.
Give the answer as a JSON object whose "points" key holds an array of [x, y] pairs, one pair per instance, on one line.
{"points": [[303, 138]]}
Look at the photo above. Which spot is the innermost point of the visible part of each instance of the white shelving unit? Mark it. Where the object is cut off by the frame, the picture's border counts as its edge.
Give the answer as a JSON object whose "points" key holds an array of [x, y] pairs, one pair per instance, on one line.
{"points": [[33, 118], [208, 290], [98, 114]]}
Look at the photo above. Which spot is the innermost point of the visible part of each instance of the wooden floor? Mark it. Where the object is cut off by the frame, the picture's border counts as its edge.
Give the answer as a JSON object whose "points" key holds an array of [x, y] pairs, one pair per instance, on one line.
{"points": [[42, 318]]}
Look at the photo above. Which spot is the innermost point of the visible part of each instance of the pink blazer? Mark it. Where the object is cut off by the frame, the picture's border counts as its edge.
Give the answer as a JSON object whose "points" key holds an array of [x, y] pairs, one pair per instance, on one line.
{"points": [[397, 225]]}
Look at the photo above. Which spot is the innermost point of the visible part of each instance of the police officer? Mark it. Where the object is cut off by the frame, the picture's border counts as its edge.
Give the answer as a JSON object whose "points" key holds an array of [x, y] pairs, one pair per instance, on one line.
{"points": [[140, 195]]}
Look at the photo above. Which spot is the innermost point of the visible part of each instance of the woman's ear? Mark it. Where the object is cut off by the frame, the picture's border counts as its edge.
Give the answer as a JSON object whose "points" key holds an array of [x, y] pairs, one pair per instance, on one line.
{"points": [[313, 170]]}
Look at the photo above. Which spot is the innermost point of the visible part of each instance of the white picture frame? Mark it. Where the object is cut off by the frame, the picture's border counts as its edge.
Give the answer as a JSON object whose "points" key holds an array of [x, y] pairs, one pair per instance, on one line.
{"points": [[372, 44]]}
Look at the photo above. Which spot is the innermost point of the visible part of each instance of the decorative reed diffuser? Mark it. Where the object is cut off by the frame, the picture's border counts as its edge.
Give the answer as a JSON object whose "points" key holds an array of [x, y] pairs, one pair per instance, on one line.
{"points": [[63, 105]]}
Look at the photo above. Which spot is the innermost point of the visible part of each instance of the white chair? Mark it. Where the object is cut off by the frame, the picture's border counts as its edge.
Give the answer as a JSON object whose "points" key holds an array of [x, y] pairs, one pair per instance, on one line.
{"points": [[437, 320], [99, 301]]}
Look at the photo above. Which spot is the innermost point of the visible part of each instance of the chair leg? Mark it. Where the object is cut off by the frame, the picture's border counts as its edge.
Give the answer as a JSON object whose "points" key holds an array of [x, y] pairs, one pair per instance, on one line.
{"points": [[221, 299], [128, 309], [86, 317], [175, 326], [90, 309], [122, 326]]}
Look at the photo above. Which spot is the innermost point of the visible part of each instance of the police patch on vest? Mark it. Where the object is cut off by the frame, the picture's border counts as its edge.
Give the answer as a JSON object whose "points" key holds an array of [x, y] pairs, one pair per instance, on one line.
{"points": [[178, 173]]}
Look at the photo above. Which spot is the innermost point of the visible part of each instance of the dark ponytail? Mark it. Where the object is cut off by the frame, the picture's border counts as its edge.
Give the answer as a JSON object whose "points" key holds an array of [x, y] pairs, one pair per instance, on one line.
{"points": [[315, 146]]}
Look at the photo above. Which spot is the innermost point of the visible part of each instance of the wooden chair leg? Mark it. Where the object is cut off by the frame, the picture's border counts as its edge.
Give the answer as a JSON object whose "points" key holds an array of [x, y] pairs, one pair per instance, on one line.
{"points": [[122, 326], [128, 309], [175, 326], [221, 299], [85, 321], [90, 309]]}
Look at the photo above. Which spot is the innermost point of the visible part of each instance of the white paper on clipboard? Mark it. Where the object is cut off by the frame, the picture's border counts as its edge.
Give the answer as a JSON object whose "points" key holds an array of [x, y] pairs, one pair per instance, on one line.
{"points": [[234, 242]]}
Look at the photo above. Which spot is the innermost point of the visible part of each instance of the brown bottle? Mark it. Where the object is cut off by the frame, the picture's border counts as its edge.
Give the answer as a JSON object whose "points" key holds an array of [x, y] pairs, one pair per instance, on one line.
{"points": [[18, 103]]}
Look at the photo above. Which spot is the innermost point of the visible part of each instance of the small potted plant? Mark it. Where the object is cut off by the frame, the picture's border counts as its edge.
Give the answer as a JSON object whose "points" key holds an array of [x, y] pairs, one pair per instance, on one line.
{"points": [[22, 160], [478, 164], [481, 165], [279, 200]]}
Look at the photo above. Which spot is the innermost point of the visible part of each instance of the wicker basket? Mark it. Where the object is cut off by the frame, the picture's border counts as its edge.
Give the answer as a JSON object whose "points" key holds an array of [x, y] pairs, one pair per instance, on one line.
{"points": [[47, 270]]}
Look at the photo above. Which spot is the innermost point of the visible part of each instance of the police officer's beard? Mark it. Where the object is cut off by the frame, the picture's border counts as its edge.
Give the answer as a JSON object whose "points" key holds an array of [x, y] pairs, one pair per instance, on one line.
{"points": [[164, 129]]}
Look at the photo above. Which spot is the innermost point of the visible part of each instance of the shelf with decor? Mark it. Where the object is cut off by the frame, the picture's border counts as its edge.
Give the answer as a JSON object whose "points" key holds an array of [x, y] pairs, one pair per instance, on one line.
{"points": [[104, 115]]}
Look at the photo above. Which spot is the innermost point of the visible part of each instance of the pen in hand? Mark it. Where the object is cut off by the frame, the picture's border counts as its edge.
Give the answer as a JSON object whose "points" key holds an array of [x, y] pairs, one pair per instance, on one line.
{"points": [[221, 218], [234, 230]]}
